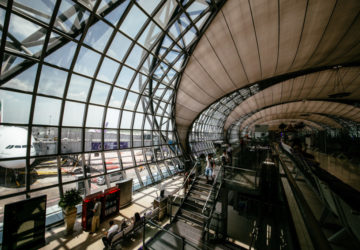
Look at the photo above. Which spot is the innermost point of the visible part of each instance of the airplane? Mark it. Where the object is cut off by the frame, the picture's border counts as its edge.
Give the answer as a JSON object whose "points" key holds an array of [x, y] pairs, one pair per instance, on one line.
{"points": [[13, 143]]}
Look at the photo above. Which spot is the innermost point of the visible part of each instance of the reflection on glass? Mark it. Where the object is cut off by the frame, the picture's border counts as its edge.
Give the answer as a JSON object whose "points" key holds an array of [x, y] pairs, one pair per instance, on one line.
{"points": [[155, 172]]}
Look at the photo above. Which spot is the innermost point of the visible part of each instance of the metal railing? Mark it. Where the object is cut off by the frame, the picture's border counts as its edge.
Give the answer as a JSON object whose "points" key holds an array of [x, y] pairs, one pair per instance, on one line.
{"points": [[177, 193], [313, 227], [213, 188]]}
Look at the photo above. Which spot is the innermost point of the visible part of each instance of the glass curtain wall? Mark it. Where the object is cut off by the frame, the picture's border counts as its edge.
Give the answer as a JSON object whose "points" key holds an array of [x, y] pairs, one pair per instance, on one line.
{"points": [[87, 91], [209, 126]]}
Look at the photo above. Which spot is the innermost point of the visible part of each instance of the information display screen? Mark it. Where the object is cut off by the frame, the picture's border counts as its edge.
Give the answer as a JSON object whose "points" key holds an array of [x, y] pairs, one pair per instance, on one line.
{"points": [[24, 224]]}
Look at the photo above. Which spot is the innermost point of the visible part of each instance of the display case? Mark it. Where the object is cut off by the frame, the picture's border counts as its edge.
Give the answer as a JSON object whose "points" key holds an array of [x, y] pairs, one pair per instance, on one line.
{"points": [[125, 191], [87, 207], [111, 202]]}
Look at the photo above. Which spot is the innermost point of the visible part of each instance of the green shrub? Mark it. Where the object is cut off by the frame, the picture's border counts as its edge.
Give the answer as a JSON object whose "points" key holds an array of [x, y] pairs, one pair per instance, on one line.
{"points": [[71, 198]]}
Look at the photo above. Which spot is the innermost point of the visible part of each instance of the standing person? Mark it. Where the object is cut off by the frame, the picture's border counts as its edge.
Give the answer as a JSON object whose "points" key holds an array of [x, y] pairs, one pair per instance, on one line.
{"points": [[224, 158], [95, 223], [110, 233], [209, 169]]}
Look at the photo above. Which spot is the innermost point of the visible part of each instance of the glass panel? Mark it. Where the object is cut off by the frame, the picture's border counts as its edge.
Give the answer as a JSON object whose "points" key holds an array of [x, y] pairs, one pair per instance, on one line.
{"points": [[144, 175], [126, 119], [63, 56], [52, 81], [21, 30], [119, 46], [98, 35], [46, 172], [155, 172], [73, 114], [46, 140], [148, 6], [47, 111], [24, 81], [112, 161], [125, 141], [135, 57], [42, 10], [10, 103], [71, 140], [125, 77], [93, 140], [110, 139], [79, 88], [131, 174], [165, 13], [114, 16], [87, 62], [133, 22], [126, 158], [108, 69], [138, 121], [150, 35], [117, 97], [131, 101], [163, 169], [71, 17], [137, 142], [94, 116], [112, 118], [171, 166], [147, 138], [99, 93], [139, 157]]}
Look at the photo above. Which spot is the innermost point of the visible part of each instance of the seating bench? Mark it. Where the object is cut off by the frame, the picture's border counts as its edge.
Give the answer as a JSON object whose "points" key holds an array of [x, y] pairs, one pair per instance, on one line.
{"points": [[132, 228]]}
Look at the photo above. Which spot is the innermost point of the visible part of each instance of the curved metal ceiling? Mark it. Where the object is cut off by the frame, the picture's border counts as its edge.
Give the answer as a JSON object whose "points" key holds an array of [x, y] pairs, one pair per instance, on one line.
{"points": [[294, 109], [251, 41], [312, 118]]}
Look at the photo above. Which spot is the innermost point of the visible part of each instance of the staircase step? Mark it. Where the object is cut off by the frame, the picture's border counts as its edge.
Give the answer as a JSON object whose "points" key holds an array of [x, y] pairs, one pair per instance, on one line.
{"points": [[202, 186], [192, 213], [191, 219], [199, 200], [197, 192], [192, 206]]}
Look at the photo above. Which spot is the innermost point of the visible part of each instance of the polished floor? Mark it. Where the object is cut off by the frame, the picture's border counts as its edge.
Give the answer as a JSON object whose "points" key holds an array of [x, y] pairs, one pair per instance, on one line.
{"points": [[56, 237]]}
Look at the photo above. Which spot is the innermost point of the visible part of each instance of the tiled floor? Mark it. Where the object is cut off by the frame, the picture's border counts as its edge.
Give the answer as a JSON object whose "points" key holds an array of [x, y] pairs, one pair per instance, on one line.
{"points": [[56, 237]]}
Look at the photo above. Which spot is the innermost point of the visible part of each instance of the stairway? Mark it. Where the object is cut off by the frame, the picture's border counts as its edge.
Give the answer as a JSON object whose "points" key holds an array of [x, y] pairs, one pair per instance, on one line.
{"points": [[191, 211]]}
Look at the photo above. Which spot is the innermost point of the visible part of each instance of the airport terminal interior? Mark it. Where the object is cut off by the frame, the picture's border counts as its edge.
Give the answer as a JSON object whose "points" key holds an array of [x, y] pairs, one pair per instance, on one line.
{"points": [[225, 124]]}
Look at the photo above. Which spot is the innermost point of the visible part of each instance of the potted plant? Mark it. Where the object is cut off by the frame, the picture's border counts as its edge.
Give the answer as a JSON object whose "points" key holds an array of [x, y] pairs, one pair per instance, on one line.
{"points": [[68, 202]]}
